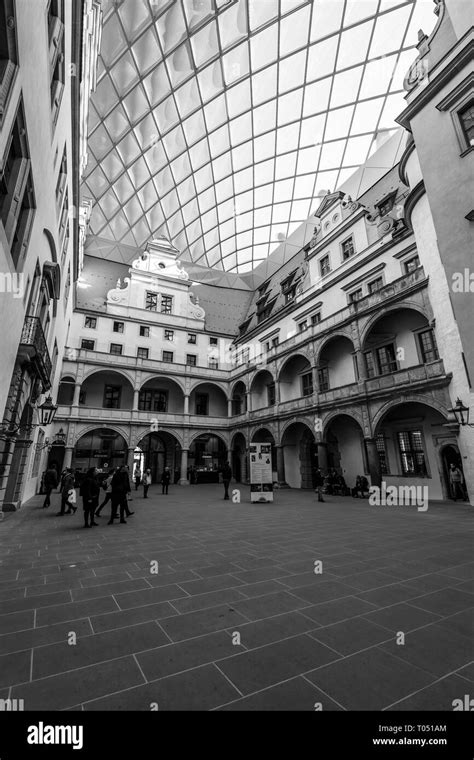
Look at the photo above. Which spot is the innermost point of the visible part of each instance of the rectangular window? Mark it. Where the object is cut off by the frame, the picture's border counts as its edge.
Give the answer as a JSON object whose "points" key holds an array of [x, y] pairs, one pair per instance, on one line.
{"points": [[153, 401], [382, 452], [116, 349], [82, 398], [191, 360], [167, 356], [166, 304], [347, 247], [192, 338], [275, 342], [144, 331], [142, 353], [316, 318], [151, 301], [112, 395], [271, 394], [466, 118], [213, 341], [290, 294], [323, 379], [118, 327], [87, 344], [307, 384], [169, 335], [428, 347], [386, 359], [369, 364], [302, 326], [411, 264], [410, 446], [375, 285], [356, 295], [213, 363], [90, 322], [324, 266], [202, 404], [386, 206]]}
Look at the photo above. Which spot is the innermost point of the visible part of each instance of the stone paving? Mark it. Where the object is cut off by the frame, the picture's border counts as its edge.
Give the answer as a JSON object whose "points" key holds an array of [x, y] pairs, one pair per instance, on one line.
{"points": [[236, 618]]}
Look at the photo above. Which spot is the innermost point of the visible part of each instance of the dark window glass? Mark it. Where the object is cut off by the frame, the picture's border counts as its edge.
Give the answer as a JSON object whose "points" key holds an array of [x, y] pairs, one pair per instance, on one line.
{"points": [[166, 304], [153, 401], [118, 327], [307, 384], [386, 359], [116, 349], [151, 301], [191, 360], [167, 356], [169, 335], [271, 396], [411, 264], [375, 285], [348, 249], [202, 403], [428, 347], [90, 322], [316, 318], [386, 205], [382, 452], [369, 363], [192, 338], [323, 379], [410, 444], [213, 341], [466, 117], [324, 266], [356, 295], [142, 353], [112, 395], [87, 344], [144, 331], [303, 326]]}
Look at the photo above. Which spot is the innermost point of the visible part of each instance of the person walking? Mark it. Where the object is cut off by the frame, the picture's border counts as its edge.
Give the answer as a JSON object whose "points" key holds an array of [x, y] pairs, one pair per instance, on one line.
{"points": [[120, 487], [108, 492], [146, 483], [165, 480], [456, 480], [68, 494], [137, 476], [226, 478], [50, 482], [319, 482], [90, 496], [128, 487]]}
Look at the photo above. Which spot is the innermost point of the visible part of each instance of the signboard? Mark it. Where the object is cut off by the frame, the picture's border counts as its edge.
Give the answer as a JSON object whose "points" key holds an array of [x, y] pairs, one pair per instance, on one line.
{"points": [[261, 476]]}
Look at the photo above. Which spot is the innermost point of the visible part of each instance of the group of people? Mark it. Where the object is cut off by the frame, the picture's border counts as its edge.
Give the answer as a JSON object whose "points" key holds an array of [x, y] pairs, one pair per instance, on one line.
{"points": [[334, 483], [145, 480]]}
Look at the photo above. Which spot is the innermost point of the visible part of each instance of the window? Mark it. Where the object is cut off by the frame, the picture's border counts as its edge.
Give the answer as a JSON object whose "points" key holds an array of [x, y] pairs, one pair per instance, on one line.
{"points": [[386, 205], [265, 311], [411, 264], [90, 322], [202, 404], [169, 335], [153, 401], [191, 360], [369, 364], [213, 363], [275, 342], [323, 379], [271, 394], [243, 327], [316, 318], [142, 353], [8, 53], [167, 356], [428, 347], [144, 331], [347, 247], [61, 181], [302, 326], [466, 118], [382, 452], [88, 345], [151, 301], [356, 295], [324, 265], [410, 446], [213, 341], [56, 55], [116, 349], [166, 304], [386, 359], [290, 294], [118, 327], [112, 394], [192, 338], [375, 285], [307, 384]]}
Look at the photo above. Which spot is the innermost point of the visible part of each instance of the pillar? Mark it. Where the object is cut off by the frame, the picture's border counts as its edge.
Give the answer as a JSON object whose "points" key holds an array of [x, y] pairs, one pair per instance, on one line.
{"points": [[248, 404], [67, 456], [361, 365], [280, 465], [136, 395], [183, 481], [373, 462], [129, 462], [322, 457], [229, 407], [186, 404], [77, 391]]}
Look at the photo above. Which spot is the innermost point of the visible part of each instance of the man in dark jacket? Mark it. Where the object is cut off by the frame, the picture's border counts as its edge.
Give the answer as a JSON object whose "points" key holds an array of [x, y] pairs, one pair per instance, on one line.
{"points": [[50, 482], [120, 489], [226, 478], [165, 480], [67, 490], [90, 496], [319, 482]]}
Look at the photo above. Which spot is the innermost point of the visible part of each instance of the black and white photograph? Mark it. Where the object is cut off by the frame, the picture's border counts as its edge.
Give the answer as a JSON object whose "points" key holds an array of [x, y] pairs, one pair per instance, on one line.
{"points": [[237, 368]]}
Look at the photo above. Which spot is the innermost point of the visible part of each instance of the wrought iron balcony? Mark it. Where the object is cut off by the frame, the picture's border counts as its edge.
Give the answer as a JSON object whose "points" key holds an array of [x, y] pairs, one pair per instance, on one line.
{"points": [[33, 349]]}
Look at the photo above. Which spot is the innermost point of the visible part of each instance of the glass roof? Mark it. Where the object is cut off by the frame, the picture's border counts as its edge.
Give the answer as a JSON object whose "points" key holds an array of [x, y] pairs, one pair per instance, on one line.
{"points": [[217, 123]]}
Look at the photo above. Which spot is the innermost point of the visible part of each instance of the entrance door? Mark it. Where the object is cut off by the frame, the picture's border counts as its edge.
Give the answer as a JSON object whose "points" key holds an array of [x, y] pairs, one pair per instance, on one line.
{"points": [[450, 455]]}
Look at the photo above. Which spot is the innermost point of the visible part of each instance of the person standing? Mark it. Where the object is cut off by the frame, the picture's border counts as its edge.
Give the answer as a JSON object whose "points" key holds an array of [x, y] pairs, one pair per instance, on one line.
{"points": [[319, 482], [50, 482], [226, 478], [456, 480], [90, 496], [137, 476], [120, 488], [146, 483], [165, 480], [67, 494], [108, 492]]}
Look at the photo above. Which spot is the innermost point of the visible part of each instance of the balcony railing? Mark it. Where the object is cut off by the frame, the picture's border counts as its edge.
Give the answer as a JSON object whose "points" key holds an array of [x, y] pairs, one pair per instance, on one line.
{"points": [[124, 360], [33, 347], [101, 414], [408, 376]]}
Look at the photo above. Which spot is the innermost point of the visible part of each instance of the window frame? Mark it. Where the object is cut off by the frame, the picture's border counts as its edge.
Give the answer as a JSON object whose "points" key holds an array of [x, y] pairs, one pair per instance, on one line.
{"points": [[116, 353], [406, 262], [145, 329], [351, 240], [192, 363], [168, 361], [403, 471], [144, 349], [379, 279], [166, 304], [119, 331], [114, 388], [87, 340], [326, 258], [166, 337], [151, 300], [90, 327], [420, 347], [192, 339], [307, 387]]}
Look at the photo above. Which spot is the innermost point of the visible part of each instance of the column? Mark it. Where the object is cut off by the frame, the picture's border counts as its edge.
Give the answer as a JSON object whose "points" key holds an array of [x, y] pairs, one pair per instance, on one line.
{"points": [[67, 456], [280, 465], [186, 404], [361, 365], [322, 457], [373, 462], [129, 462], [136, 394], [77, 390], [249, 401], [229, 407], [183, 481]]}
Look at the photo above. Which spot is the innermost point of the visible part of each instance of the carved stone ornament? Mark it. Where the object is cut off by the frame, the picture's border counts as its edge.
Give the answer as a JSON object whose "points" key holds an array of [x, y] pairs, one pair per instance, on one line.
{"points": [[195, 311], [119, 294], [385, 226]]}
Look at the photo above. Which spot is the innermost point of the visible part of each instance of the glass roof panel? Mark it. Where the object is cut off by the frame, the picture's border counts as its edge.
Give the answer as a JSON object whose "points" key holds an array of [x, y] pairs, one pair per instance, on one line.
{"points": [[238, 114]]}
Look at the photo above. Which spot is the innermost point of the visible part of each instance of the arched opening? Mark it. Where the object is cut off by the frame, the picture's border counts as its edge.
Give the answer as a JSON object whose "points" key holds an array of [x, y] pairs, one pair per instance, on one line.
{"points": [[207, 455], [407, 443], [156, 451], [296, 379], [400, 339], [106, 390], [262, 391], [300, 455], [239, 398], [336, 364], [208, 399], [161, 394], [239, 458], [346, 452], [263, 435], [17, 472], [450, 455], [66, 391], [103, 448]]}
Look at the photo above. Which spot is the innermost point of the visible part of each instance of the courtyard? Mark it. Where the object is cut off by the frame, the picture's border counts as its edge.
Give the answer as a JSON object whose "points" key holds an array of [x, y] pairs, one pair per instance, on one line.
{"points": [[204, 604]]}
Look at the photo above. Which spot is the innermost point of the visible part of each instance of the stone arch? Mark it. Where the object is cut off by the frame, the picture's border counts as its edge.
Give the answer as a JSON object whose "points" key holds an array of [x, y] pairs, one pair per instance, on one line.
{"points": [[258, 372], [235, 383], [281, 364], [138, 435], [407, 399], [154, 376], [94, 370], [223, 435], [203, 381], [270, 428], [380, 314], [78, 433], [340, 334], [331, 416], [294, 421]]}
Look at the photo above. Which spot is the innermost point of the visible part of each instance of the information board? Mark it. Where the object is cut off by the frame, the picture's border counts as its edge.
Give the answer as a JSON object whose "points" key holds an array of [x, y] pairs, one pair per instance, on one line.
{"points": [[261, 474]]}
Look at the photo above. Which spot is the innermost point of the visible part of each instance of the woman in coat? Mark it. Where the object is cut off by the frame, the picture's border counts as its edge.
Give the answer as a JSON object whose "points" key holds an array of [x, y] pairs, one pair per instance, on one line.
{"points": [[90, 497]]}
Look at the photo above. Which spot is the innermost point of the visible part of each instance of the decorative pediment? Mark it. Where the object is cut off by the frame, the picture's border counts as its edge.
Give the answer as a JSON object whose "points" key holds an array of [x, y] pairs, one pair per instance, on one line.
{"points": [[119, 294], [160, 258]]}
